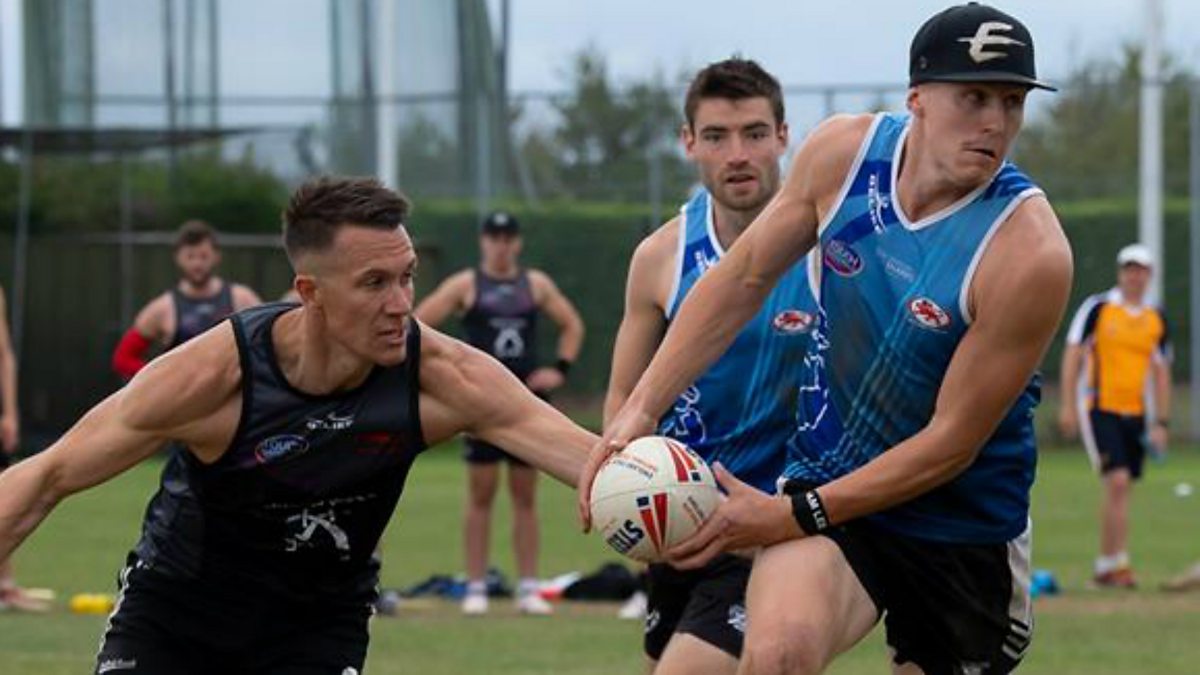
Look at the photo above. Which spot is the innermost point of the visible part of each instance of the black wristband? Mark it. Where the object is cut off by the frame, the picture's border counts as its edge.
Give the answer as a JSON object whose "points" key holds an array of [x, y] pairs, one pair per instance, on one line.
{"points": [[562, 365], [1164, 423], [809, 512]]}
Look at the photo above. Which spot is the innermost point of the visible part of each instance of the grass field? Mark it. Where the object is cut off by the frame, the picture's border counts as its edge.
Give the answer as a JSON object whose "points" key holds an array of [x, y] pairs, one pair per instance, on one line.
{"points": [[1083, 632]]}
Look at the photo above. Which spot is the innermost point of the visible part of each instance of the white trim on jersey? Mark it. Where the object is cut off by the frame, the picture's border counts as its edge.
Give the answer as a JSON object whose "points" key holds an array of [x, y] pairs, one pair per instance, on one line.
{"points": [[1075, 331], [964, 291], [710, 225], [680, 247], [850, 175], [935, 217]]}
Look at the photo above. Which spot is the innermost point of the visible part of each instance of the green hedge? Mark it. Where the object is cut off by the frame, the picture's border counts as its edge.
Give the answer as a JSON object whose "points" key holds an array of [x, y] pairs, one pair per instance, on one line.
{"points": [[73, 316]]}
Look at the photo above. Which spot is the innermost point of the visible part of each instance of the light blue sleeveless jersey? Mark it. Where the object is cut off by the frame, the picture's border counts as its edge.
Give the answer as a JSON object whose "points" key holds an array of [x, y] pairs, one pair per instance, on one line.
{"points": [[742, 411], [893, 297]]}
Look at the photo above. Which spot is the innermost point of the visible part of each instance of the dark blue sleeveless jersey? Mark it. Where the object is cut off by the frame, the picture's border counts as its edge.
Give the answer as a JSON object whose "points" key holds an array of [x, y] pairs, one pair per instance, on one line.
{"points": [[893, 296], [298, 502], [503, 321], [742, 410], [193, 316]]}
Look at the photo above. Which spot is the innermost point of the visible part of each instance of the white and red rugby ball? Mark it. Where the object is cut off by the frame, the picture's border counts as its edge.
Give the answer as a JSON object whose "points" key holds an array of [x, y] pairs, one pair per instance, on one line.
{"points": [[650, 496]]}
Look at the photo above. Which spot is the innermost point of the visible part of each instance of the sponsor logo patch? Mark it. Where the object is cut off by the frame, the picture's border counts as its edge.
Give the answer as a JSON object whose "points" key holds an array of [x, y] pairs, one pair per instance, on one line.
{"points": [[842, 259], [792, 322], [280, 447], [928, 314]]}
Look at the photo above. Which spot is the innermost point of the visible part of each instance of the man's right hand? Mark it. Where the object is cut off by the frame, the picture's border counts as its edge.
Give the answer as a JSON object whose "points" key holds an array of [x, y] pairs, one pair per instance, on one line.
{"points": [[629, 425], [1068, 422]]}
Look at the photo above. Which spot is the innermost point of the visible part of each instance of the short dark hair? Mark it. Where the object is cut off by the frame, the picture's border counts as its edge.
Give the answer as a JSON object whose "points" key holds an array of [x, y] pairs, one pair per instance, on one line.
{"points": [[193, 233], [322, 206], [734, 78]]}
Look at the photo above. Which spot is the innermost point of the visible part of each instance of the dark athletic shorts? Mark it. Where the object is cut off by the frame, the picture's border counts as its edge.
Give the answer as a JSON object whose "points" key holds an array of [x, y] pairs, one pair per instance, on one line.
{"points": [[709, 603], [1118, 441], [167, 626], [948, 608]]}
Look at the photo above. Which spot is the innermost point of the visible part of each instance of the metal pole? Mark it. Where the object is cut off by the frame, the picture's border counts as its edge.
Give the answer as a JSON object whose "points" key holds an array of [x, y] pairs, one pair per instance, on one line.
{"points": [[386, 150], [1194, 254], [1150, 223], [21, 242], [126, 246], [214, 64], [168, 28]]}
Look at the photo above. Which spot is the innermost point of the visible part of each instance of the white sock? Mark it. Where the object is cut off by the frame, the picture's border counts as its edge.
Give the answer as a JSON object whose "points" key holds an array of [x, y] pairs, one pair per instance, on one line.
{"points": [[527, 586], [1111, 563], [476, 587]]}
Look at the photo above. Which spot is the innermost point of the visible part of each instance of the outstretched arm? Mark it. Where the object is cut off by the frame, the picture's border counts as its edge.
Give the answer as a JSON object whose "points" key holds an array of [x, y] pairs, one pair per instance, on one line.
{"points": [[173, 398], [464, 390]]}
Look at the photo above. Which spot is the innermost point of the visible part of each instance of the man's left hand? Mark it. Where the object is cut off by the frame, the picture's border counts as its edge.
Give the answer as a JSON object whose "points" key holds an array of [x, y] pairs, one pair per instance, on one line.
{"points": [[745, 519]]}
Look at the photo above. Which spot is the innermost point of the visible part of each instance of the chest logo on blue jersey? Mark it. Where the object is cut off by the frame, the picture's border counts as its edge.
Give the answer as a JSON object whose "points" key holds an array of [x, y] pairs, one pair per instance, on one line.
{"points": [[842, 259], [928, 314], [792, 322], [280, 447]]}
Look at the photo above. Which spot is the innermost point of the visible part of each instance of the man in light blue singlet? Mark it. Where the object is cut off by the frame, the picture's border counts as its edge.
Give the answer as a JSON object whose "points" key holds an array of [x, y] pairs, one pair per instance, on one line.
{"points": [[741, 411], [943, 276]]}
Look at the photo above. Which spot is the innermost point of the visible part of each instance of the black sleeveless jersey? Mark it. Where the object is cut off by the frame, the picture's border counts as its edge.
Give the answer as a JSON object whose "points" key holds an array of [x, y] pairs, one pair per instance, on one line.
{"points": [[193, 316], [298, 502], [503, 321]]}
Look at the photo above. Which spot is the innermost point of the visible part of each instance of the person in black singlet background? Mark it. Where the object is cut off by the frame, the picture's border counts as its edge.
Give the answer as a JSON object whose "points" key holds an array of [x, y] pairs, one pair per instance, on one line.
{"points": [[296, 427], [499, 302], [198, 302]]}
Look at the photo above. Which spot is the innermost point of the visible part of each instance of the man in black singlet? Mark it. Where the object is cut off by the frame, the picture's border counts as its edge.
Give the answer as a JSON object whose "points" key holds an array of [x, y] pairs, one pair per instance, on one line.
{"points": [[198, 302], [297, 426], [499, 302]]}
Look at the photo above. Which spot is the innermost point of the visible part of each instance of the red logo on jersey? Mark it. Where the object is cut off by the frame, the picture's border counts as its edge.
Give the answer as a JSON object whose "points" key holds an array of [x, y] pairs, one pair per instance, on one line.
{"points": [[653, 510], [687, 469], [928, 313], [792, 321]]}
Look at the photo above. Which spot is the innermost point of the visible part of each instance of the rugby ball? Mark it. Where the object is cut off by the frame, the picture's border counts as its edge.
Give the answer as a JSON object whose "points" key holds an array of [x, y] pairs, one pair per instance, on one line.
{"points": [[650, 496]]}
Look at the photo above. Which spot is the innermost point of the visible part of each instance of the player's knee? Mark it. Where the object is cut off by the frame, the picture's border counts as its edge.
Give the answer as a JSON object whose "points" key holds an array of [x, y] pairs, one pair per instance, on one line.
{"points": [[781, 647]]}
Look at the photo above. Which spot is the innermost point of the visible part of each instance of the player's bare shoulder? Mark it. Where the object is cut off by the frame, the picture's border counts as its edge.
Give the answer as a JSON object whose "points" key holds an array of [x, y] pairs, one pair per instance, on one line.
{"points": [[652, 266], [829, 153], [1028, 261], [456, 384], [195, 386]]}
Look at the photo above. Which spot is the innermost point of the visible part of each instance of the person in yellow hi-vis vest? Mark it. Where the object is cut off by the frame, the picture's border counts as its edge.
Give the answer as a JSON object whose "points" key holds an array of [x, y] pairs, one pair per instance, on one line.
{"points": [[1122, 341]]}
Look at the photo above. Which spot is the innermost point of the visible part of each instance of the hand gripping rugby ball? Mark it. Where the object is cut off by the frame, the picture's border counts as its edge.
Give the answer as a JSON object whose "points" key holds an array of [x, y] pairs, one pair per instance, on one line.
{"points": [[650, 496]]}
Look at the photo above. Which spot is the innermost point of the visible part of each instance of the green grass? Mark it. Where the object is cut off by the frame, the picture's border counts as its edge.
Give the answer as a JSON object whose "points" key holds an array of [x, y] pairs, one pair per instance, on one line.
{"points": [[1081, 632]]}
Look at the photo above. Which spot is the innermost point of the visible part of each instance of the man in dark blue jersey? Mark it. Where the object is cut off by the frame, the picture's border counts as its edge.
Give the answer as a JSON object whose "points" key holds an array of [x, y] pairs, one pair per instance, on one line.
{"points": [[198, 302], [296, 427], [741, 411], [500, 302]]}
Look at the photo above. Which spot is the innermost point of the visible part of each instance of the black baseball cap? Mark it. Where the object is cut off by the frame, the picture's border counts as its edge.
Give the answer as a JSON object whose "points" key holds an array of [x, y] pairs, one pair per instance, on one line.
{"points": [[500, 222], [973, 43]]}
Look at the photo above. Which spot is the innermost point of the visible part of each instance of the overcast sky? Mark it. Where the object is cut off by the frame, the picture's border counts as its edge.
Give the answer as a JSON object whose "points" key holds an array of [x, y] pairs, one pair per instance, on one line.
{"points": [[803, 42], [809, 41]]}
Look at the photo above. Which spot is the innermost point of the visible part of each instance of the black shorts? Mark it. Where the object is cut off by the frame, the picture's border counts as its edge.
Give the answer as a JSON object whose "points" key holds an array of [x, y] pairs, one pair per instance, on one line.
{"points": [[709, 603], [1117, 441], [162, 625], [479, 452], [948, 608]]}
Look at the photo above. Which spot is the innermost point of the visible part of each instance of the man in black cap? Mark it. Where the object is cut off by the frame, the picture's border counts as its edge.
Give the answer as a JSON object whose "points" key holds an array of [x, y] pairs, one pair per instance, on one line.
{"points": [[944, 274], [499, 302]]}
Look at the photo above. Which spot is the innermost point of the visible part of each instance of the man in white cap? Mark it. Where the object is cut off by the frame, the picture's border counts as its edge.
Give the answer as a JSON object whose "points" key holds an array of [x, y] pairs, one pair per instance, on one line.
{"points": [[1121, 340]]}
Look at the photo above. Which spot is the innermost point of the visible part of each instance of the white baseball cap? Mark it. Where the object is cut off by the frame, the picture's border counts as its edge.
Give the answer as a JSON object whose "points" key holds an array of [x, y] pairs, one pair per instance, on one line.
{"points": [[1135, 254]]}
